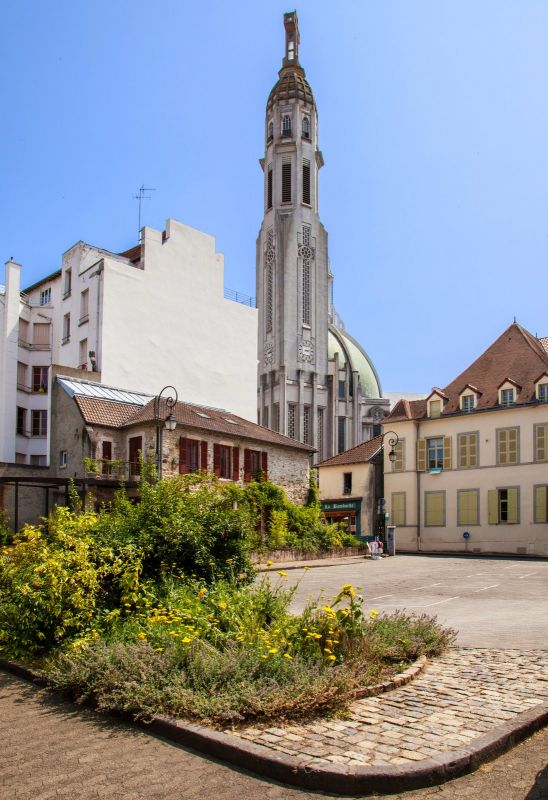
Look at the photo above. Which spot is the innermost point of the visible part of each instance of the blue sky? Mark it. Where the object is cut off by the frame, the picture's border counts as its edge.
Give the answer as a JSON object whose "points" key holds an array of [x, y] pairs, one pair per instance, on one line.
{"points": [[433, 123]]}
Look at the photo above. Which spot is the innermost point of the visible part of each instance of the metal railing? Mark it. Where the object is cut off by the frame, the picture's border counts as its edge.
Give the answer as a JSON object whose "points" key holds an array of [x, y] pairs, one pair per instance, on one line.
{"points": [[240, 297], [103, 468]]}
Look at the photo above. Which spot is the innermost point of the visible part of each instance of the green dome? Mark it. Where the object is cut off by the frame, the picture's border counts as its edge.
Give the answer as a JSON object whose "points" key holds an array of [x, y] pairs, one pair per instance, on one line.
{"points": [[351, 353]]}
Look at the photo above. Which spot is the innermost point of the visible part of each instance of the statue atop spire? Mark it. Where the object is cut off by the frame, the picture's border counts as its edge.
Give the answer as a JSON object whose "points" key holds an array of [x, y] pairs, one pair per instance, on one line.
{"points": [[292, 39]]}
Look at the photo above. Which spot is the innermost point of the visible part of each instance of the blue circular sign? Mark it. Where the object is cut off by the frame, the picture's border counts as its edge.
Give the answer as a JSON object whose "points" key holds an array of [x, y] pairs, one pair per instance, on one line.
{"points": [[465, 535]]}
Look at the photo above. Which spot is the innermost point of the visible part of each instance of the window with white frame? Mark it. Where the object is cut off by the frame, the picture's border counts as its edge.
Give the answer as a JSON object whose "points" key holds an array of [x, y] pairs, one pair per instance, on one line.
{"points": [[507, 397], [468, 402], [45, 296], [542, 392], [434, 453]]}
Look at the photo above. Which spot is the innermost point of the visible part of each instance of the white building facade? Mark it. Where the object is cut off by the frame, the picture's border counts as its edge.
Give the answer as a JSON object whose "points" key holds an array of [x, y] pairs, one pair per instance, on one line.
{"points": [[315, 383], [153, 315]]}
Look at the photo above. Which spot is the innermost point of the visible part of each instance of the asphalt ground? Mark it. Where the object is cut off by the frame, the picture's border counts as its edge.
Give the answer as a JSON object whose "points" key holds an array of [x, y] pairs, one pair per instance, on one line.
{"points": [[491, 602]]}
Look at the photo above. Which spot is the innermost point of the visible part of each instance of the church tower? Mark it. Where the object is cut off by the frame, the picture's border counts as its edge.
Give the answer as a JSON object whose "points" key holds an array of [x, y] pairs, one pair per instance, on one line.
{"points": [[292, 261], [315, 382]]}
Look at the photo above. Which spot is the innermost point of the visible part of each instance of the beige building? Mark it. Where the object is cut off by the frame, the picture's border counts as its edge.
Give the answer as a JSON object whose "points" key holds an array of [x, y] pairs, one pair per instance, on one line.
{"points": [[350, 485], [471, 472]]}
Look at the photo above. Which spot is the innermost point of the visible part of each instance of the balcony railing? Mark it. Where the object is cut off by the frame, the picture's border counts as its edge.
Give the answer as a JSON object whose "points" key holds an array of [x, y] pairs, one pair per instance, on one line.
{"points": [[240, 297], [106, 469]]}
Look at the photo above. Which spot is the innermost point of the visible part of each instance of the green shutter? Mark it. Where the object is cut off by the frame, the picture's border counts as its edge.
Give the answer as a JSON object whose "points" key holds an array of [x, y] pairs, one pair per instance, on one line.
{"points": [[421, 455], [513, 497], [468, 507], [512, 446], [435, 509], [541, 503], [492, 506], [447, 452], [399, 463], [462, 450], [398, 508], [541, 440], [503, 446], [473, 441]]}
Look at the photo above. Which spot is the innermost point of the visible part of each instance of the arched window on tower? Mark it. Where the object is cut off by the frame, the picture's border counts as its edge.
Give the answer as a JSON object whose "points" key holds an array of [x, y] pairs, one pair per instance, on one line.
{"points": [[306, 128], [286, 125], [270, 130]]}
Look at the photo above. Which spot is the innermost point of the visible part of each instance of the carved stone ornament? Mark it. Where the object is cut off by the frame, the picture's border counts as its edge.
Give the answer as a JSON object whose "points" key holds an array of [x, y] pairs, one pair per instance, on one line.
{"points": [[306, 351], [270, 255], [306, 252], [377, 413], [268, 353]]}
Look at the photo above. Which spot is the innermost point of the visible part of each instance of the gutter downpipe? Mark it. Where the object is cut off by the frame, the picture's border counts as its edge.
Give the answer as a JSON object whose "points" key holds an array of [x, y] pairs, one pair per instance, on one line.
{"points": [[419, 543]]}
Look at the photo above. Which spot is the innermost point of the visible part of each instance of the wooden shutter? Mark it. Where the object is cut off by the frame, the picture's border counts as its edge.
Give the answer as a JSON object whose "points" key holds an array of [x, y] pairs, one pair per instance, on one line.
{"points": [[541, 503], [492, 507], [447, 452], [421, 455], [264, 465], [183, 463], [399, 463], [306, 181], [247, 465], [398, 508], [462, 445], [541, 442], [235, 464], [513, 505], [286, 182], [435, 509], [512, 446], [217, 460], [473, 442], [467, 502], [203, 456], [503, 447]]}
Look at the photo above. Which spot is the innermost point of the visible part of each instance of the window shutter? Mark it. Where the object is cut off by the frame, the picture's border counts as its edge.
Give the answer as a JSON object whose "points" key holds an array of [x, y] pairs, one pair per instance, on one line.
{"points": [[183, 465], [235, 464], [473, 442], [217, 460], [541, 440], [264, 465], [503, 447], [447, 452], [541, 503], [286, 182], [398, 508], [247, 465], [421, 455], [399, 463], [492, 506], [512, 446], [203, 456], [513, 498], [269, 188], [306, 181]]}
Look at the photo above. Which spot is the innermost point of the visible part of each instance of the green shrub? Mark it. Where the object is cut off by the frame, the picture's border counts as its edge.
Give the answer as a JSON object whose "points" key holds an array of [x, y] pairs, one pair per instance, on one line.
{"points": [[278, 529]]}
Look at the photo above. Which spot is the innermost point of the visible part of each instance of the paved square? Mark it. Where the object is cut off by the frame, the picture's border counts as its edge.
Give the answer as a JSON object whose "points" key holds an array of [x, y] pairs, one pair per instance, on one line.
{"points": [[491, 602]]}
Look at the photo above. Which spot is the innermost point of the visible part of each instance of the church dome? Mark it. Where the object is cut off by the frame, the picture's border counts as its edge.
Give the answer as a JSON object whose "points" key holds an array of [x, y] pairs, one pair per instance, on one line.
{"points": [[291, 85], [352, 354]]}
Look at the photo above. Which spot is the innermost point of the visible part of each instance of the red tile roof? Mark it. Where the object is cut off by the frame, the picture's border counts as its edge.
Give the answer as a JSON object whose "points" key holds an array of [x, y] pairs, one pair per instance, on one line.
{"points": [[516, 355], [123, 415], [362, 453]]}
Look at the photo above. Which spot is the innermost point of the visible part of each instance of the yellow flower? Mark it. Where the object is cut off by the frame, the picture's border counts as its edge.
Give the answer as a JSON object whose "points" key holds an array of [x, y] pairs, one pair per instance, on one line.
{"points": [[222, 604], [269, 563], [282, 573], [307, 567], [373, 614], [327, 650], [186, 639], [331, 658], [348, 590], [273, 650], [158, 649], [202, 593], [142, 635], [286, 655]]}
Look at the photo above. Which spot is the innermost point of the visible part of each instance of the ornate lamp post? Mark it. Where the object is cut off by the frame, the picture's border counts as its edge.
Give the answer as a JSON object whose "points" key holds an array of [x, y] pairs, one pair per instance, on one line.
{"points": [[169, 422], [392, 442]]}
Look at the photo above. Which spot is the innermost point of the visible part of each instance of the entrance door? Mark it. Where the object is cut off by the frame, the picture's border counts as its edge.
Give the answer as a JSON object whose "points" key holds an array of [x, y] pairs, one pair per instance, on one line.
{"points": [[135, 448]]}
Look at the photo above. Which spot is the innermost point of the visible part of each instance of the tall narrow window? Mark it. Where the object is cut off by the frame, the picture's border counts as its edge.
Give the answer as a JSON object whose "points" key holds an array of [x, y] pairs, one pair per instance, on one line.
{"points": [[40, 335], [286, 125], [276, 417], [68, 283], [40, 379], [265, 417], [66, 328], [22, 373], [84, 306], [307, 425], [319, 444], [21, 428], [291, 421], [45, 296], [269, 187], [347, 483], [84, 354], [306, 181], [306, 256], [341, 435], [269, 259], [306, 128], [39, 423], [23, 332], [286, 181], [270, 129]]}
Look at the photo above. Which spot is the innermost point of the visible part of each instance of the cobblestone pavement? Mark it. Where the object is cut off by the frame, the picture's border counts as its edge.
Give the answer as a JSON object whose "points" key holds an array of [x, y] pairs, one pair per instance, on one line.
{"points": [[51, 749], [458, 698]]}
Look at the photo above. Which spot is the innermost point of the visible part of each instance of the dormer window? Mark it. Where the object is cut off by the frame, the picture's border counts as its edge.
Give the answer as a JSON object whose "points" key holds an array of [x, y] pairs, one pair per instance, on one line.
{"points": [[306, 128], [286, 125], [435, 409], [507, 397], [542, 392], [468, 403]]}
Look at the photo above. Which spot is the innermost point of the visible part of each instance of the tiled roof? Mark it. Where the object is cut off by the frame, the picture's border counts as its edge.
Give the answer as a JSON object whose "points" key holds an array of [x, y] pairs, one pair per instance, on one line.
{"points": [[98, 411], [544, 343], [516, 355], [360, 454], [105, 412]]}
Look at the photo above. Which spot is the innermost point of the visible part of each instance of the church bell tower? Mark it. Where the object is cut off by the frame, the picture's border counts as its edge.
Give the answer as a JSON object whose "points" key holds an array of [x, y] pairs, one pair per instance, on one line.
{"points": [[292, 262]]}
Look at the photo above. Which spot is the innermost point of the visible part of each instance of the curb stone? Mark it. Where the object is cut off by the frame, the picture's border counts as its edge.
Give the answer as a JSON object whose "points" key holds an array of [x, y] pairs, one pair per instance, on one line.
{"points": [[338, 779]]}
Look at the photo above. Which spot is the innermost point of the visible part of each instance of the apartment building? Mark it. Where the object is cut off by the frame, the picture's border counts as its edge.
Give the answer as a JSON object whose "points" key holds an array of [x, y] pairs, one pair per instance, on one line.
{"points": [[471, 472], [155, 314]]}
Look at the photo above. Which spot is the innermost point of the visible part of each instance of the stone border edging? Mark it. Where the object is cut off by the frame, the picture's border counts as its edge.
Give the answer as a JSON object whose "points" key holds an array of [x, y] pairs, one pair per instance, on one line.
{"points": [[338, 779]]}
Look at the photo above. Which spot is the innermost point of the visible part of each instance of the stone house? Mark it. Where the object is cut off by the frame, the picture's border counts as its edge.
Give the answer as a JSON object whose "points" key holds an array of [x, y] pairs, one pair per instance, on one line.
{"points": [[471, 472], [350, 485]]}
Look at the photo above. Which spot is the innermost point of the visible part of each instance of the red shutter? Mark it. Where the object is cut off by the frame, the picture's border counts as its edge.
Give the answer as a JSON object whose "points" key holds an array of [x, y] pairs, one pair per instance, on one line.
{"points": [[217, 460], [107, 451], [183, 464], [247, 465], [235, 463], [264, 465], [203, 456]]}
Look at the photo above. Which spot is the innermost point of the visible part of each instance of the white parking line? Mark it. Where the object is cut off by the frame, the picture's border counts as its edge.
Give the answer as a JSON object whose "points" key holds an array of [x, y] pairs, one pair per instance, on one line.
{"points": [[428, 605], [487, 587], [380, 596], [476, 574], [526, 576], [426, 587]]}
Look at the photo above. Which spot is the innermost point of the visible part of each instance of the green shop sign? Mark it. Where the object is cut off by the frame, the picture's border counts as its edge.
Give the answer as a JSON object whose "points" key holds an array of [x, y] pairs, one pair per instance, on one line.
{"points": [[342, 505]]}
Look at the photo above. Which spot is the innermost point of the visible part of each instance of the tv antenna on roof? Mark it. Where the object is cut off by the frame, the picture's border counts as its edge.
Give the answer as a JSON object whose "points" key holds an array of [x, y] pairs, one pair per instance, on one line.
{"points": [[140, 197]]}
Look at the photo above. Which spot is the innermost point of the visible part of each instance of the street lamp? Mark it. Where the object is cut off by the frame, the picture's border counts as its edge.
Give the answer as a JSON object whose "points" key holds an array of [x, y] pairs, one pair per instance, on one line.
{"points": [[169, 422], [392, 442]]}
